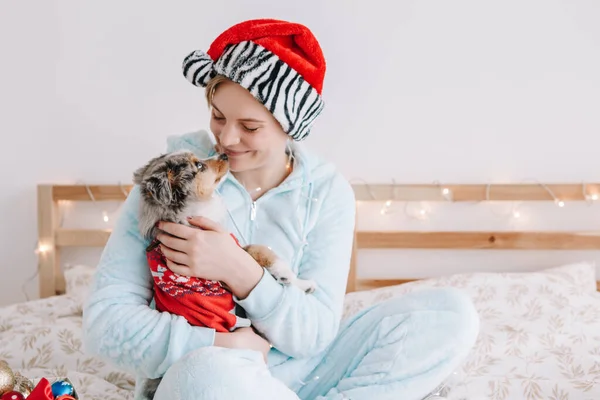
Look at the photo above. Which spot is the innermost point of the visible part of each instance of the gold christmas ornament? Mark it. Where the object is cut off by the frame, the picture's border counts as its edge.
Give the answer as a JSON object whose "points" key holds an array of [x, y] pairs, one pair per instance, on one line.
{"points": [[23, 385], [7, 378]]}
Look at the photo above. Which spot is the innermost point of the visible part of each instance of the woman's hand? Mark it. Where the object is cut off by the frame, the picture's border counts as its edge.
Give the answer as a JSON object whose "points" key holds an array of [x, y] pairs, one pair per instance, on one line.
{"points": [[208, 253], [203, 253], [243, 338]]}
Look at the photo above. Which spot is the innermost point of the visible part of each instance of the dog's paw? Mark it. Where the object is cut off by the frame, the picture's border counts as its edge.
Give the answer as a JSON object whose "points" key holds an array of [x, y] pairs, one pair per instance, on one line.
{"points": [[308, 286], [282, 272]]}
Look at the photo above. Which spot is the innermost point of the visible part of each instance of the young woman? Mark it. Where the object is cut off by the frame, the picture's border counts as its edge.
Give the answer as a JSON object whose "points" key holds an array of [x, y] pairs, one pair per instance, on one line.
{"points": [[263, 81]]}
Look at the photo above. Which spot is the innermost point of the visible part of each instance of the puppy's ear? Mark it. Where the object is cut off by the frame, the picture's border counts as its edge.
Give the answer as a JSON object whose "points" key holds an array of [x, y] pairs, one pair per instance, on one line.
{"points": [[138, 175], [159, 187]]}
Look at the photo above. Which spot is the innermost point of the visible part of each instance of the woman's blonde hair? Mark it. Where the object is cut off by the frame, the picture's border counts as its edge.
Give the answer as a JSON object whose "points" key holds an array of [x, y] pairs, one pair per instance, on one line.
{"points": [[211, 86]]}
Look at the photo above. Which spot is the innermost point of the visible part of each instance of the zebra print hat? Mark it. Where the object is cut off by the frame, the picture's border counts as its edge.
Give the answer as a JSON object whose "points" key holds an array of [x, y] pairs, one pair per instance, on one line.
{"points": [[280, 63]]}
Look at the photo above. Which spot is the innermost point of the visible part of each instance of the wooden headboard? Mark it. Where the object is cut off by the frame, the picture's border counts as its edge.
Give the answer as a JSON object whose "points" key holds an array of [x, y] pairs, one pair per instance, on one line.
{"points": [[52, 237], [470, 240]]}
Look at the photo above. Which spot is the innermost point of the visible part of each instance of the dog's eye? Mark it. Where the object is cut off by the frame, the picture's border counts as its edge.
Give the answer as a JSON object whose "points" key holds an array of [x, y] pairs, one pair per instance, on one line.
{"points": [[201, 167]]}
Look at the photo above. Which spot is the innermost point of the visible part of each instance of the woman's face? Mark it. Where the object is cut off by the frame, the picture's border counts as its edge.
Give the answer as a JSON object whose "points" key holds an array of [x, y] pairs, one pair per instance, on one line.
{"points": [[244, 129]]}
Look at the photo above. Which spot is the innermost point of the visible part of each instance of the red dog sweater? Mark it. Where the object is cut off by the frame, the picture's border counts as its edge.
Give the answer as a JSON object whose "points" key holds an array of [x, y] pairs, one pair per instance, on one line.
{"points": [[201, 302]]}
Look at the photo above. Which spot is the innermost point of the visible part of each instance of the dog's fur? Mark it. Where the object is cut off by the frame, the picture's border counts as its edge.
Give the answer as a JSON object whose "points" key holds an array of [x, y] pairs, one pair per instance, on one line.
{"points": [[177, 185]]}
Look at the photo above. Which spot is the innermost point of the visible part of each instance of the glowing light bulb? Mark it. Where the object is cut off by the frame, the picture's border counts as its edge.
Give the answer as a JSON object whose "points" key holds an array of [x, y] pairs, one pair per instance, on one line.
{"points": [[421, 211], [591, 197], [423, 214], [560, 203], [516, 214], [105, 216], [386, 208], [447, 194], [42, 249]]}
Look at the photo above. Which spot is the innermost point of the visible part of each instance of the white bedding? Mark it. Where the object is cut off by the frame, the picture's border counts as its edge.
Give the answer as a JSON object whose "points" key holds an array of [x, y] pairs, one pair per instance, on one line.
{"points": [[42, 338], [540, 337]]}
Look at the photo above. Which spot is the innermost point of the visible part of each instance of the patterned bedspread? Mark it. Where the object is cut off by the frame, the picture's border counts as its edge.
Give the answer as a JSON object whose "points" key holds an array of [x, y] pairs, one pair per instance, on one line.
{"points": [[540, 337], [42, 338]]}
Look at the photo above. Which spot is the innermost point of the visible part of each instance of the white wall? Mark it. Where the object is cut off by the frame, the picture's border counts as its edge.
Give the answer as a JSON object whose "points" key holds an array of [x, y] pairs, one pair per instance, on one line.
{"points": [[89, 90]]}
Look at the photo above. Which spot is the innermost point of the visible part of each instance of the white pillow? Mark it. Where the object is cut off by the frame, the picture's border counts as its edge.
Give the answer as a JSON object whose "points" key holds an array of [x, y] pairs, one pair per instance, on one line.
{"points": [[576, 277], [78, 281]]}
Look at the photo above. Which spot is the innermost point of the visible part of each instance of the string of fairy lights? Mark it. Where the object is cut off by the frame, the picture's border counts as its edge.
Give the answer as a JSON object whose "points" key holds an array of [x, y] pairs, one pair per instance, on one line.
{"points": [[421, 210], [40, 249], [105, 214]]}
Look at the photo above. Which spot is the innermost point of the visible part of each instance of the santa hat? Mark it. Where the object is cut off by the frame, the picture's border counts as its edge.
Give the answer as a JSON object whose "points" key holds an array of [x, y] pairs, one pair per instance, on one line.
{"points": [[280, 63]]}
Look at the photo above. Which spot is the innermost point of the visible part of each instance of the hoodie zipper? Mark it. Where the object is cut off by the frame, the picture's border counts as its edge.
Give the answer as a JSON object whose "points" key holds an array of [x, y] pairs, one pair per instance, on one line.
{"points": [[254, 205], [253, 211]]}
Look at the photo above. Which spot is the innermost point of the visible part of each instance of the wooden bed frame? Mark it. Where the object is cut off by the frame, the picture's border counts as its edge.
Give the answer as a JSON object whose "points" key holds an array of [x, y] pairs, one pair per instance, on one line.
{"points": [[470, 240], [51, 237]]}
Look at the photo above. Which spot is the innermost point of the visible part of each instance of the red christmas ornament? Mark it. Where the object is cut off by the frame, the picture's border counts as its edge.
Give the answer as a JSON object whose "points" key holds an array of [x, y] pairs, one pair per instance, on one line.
{"points": [[12, 395], [43, 391]]}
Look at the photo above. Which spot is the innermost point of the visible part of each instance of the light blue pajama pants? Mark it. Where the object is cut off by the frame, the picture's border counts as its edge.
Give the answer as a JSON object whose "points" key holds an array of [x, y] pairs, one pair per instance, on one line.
{"points": [[402, 348]]}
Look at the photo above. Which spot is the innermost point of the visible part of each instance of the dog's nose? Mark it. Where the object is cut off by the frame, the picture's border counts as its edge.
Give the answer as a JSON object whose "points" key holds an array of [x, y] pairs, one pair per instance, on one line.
{"points": [[223, 157]]}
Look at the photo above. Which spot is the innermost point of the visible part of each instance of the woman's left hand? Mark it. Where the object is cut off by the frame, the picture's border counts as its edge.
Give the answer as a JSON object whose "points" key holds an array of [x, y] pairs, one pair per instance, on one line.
{"points": [[203, 253]]}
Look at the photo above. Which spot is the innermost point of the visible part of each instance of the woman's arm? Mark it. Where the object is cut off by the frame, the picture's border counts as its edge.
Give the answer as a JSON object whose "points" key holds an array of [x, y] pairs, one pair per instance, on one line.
{"points": [[118, 322], [298, 324]]}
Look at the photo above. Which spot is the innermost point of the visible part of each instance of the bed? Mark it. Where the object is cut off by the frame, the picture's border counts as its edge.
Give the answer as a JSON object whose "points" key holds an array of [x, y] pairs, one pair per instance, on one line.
{"points": [[540, 330]]}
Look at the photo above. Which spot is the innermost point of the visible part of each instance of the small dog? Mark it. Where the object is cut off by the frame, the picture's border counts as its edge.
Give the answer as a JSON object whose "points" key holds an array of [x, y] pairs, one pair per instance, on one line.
{"points": [[177, 185], [173, 187]]}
